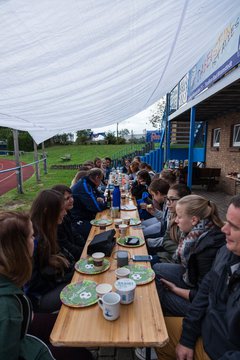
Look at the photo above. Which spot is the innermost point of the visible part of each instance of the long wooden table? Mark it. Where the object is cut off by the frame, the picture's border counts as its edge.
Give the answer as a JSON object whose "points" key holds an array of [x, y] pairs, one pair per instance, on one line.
{"points": [[141, 324]]}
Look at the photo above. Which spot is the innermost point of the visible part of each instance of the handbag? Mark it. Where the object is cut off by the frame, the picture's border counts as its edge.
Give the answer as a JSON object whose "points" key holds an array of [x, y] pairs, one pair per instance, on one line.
{"points": [[103, 242]]}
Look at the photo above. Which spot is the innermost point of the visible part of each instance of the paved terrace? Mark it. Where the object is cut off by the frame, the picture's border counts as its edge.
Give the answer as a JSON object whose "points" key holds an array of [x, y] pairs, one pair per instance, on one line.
{"points": [[221, 199]]}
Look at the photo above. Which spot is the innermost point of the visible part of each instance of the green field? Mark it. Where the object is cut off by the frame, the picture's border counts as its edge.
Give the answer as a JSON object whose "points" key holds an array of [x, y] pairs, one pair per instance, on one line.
{"points": [[79, 153]]}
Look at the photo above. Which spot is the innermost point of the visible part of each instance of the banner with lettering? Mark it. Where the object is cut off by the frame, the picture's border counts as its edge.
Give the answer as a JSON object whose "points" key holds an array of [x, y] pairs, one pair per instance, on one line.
{"points": [[153, 136], [222, 57]]}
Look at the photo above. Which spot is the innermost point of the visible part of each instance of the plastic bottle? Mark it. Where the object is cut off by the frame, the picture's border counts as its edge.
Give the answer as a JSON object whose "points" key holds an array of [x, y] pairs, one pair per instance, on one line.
{"points": [[116, 196]]}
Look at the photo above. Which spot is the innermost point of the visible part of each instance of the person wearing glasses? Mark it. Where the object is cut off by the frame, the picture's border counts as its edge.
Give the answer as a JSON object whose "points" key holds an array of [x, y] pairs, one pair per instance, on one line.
{"points": [[163, 248], [200, 240], [66, 236]]}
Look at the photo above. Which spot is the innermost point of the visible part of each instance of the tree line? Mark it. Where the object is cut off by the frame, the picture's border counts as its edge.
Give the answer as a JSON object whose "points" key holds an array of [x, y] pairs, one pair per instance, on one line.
{"points": [[82, 137]]}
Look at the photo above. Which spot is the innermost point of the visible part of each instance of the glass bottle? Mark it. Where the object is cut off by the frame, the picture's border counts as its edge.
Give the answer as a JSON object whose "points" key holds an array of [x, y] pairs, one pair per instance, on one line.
{"points": [[109, 199]]}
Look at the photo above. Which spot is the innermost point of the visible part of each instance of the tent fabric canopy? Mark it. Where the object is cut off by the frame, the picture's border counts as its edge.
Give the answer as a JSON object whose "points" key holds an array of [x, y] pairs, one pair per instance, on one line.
{"points": [[77, 64]]}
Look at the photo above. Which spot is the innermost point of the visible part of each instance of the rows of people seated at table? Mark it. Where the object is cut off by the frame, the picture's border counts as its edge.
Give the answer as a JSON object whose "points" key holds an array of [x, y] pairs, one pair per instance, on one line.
{"points": [[196, 258]]}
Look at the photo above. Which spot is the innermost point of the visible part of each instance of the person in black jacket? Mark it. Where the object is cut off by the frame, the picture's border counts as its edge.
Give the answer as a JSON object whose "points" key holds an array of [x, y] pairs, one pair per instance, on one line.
{"points": [[140, 185], [88, 201], [211, 327], [66, 236], [199, 243], [53, 267]]}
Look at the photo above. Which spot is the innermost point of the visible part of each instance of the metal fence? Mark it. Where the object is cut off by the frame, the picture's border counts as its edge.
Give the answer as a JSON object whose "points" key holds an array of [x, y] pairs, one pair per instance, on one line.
{"points": [[19, 173]]}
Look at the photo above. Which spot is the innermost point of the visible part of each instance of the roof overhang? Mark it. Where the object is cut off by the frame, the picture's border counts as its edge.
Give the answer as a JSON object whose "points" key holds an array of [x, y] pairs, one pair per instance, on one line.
{"points": [[221, 98]]}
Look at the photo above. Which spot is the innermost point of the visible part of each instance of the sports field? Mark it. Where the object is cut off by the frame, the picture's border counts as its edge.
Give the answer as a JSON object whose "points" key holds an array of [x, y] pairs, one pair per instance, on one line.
{"points": [[79, 153]]}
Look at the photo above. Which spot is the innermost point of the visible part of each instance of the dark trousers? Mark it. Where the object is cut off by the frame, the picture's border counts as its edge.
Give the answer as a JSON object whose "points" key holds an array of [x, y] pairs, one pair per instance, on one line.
{"points": [[172, 304]]}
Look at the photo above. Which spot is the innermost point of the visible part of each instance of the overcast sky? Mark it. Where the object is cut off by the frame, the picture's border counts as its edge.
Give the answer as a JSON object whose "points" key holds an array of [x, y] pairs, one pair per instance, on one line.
{"points": [[137, 123]]}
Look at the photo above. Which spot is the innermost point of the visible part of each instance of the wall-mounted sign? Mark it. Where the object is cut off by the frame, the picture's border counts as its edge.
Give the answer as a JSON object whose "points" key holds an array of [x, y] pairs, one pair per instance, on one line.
{"points": [[222, 57], [153, 136]]}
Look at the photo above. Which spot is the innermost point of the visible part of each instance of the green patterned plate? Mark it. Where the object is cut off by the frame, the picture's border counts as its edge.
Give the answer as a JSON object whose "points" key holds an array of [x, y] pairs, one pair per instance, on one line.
{"points": [[101, 222], [79, 294], [122, 241], [135, 221], [141, 274], [85, 266]]}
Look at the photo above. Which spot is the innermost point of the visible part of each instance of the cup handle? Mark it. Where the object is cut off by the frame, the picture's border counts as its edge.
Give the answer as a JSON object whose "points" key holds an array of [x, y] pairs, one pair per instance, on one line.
{"points": [[129, 255], [100, 303]]}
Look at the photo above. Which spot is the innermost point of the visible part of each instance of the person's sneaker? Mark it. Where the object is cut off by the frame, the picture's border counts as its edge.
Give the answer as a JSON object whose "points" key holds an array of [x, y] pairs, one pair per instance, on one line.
{"points": [[141, 354]]}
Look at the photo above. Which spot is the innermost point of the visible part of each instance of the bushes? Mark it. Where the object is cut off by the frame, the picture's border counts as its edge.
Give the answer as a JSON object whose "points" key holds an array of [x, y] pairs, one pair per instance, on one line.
{"points": [[24, 139]]}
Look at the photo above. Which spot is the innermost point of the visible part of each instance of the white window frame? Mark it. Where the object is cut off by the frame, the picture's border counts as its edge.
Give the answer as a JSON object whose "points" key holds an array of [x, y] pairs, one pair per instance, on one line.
{"points": [[236, 135], [216, 137]]}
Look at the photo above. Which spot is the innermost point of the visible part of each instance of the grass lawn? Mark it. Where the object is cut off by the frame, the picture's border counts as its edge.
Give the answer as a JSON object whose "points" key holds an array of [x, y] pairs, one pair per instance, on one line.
{"points": [[79, 153]]}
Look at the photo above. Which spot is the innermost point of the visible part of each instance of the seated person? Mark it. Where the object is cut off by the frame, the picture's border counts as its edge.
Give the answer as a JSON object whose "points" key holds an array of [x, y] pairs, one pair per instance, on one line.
{"points": [[137, 158], [141, 184], [133, 170], [210, 329], [20, 338], [66, 236], [97, 162], [78, 176], [16, 243], [108, 161], [200, 241], [163, 248], [88, 201], [157, 225], [145, 166], [126, 166], [52, 268], [169, 176]]}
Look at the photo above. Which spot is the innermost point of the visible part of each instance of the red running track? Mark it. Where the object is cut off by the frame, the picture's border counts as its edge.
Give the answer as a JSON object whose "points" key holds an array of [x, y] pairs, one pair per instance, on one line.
{"points": [[8, 180]]}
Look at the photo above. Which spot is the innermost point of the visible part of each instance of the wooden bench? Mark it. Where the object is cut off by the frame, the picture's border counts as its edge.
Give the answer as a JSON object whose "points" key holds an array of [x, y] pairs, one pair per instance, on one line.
{"points": [[206, 176], [66, 157]]}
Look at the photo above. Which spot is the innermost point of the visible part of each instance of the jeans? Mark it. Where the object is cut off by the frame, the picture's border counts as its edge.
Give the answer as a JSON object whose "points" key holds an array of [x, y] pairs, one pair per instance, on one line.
{"points": [[151, 226], [171, 303]]}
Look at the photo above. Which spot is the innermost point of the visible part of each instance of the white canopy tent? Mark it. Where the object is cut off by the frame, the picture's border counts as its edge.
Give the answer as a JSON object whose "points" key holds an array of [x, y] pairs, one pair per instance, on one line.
{"points": [[68, 65]]}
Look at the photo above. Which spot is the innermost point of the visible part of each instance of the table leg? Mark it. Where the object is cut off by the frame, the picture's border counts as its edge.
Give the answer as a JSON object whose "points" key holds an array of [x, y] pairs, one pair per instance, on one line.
{"points": [[148, 353]]}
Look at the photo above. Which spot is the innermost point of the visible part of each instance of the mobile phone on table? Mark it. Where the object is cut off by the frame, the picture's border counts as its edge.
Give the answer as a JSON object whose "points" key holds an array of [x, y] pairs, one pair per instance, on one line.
{"points": [[142, 257], [132, 241]]}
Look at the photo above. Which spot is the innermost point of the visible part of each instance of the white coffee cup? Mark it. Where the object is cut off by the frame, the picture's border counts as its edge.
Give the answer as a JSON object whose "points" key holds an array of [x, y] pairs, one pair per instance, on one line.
{"points": [[126, 289], [110, 305], [103, 289], [123, 230], [98, 260], [122, 272]]}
